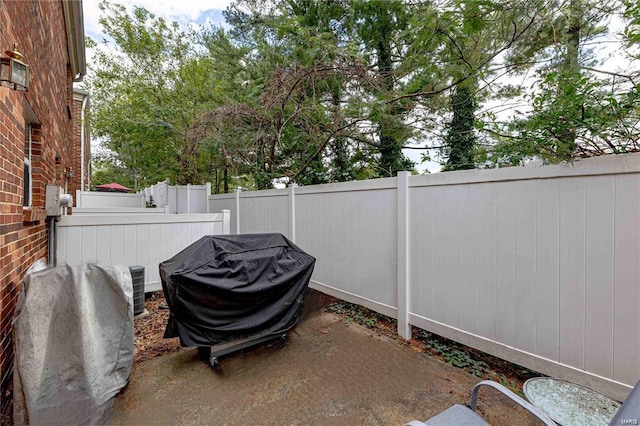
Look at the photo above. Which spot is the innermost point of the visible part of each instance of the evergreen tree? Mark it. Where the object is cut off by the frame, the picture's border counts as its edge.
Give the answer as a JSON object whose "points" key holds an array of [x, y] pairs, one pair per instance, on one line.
{"points": [[577, 110]]}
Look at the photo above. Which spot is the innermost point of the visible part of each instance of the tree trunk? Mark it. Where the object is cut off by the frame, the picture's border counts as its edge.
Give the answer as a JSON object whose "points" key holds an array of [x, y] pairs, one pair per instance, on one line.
{"points": [[225, 179], [569, 73], [390, 147], [341, 163], [461, 138]]}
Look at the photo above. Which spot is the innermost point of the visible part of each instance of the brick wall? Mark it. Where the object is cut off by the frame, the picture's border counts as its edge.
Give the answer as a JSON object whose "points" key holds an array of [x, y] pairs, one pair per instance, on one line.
{"points": [[39, 29]]}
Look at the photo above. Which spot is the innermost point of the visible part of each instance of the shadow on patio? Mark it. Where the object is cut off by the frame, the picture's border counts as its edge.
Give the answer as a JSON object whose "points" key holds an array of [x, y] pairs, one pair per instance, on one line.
{"points": [[329, 371]]}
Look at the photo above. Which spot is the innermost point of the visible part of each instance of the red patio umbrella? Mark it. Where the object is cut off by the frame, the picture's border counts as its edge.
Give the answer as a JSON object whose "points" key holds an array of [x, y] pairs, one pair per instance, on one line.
{"points": [[112, 187]]}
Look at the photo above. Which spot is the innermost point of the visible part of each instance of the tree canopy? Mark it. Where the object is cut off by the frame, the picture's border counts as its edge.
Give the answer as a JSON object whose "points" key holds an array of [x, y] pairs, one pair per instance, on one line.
{"points": [[318, 91]]}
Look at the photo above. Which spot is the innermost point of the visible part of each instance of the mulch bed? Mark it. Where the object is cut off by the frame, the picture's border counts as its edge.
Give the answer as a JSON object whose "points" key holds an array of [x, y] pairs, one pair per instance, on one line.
{"points": [[148, 330]]}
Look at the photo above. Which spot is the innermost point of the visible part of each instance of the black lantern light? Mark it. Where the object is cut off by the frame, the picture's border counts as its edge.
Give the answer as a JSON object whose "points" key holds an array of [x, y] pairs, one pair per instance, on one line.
{"points": [[13, 72]]}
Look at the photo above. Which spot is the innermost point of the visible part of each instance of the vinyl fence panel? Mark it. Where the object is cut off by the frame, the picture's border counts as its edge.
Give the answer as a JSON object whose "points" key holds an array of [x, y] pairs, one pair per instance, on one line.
{"points": [[263, 210], [108, 199], [129, 240], [626, 272], [351, 234], [225, 202], [537, 265], [179, 199], [547, 267]]}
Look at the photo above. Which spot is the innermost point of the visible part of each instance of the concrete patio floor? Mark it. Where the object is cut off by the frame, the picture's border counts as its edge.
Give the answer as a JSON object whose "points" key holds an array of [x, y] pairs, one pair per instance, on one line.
{"points": [[329, 372]]}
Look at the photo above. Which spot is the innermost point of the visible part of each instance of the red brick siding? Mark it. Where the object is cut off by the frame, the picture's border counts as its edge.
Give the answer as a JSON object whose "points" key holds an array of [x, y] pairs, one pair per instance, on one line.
{"points": [[39, 29]]}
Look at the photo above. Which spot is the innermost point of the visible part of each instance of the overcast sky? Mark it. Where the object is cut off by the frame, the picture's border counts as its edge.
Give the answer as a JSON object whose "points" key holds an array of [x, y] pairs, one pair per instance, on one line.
{"points": [[184, 12]]}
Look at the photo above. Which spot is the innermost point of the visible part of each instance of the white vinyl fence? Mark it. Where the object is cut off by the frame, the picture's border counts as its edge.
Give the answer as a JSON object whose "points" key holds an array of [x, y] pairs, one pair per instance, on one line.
{"points": [[94, 199], [110, 211], [133, 239], [539, 266], [179, 198]]}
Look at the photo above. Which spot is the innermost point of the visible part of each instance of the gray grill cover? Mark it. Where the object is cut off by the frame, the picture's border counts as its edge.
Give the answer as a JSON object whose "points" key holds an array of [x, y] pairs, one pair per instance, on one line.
{"points": [[228, 287], [73, 341]]}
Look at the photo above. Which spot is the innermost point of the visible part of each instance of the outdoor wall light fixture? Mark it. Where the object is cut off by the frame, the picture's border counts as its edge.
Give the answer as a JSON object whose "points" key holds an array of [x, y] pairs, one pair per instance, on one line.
{"points": [[13, 72]]}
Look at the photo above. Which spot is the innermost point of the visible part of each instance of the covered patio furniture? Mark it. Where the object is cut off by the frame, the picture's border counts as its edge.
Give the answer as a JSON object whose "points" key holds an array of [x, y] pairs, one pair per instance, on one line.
{"points": [[73, 337], [229, 292]]}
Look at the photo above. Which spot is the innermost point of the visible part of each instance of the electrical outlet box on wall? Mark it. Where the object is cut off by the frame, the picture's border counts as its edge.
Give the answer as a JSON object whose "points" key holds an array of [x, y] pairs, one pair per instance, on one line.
{"points": [[52, 200]]}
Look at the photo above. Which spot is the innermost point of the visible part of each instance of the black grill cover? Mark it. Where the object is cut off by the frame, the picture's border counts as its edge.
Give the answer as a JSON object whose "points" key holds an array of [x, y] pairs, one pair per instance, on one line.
{"points": [[227, 287]]}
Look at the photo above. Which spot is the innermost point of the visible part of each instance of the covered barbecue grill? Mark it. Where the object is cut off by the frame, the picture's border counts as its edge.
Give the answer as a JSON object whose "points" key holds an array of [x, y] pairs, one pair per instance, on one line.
{"points": [[228, 292]]}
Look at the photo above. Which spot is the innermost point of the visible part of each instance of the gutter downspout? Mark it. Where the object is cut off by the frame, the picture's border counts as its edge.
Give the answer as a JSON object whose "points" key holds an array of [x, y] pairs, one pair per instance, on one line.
{"points": [[82, 132], [74, 25], [53, 224]]}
